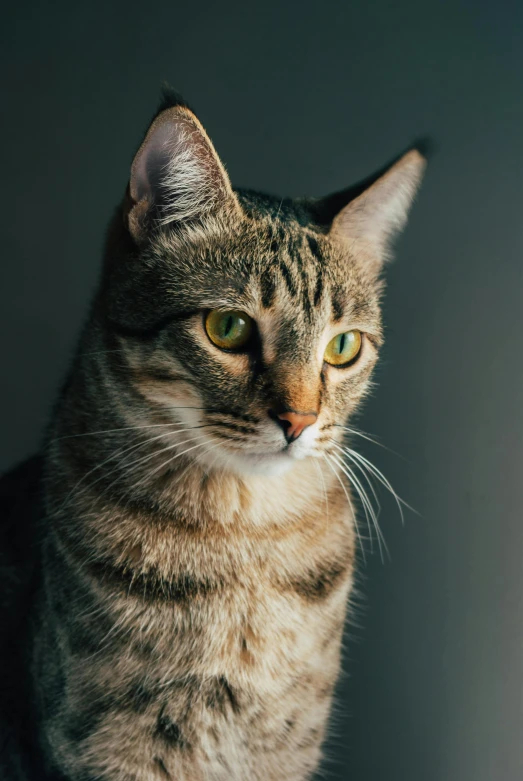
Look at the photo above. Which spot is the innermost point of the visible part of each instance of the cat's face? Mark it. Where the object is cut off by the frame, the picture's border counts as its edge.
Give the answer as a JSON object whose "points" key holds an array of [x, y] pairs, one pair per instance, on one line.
{"points": [[248, 320]]}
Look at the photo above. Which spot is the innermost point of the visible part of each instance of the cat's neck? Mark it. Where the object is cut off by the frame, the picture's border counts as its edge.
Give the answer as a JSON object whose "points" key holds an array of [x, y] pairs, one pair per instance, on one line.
{"points": [[196, 510], [199, 495]]}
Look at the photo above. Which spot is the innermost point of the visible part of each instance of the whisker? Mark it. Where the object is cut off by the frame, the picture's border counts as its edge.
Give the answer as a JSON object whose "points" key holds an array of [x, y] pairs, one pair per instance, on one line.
{"points": [[127, 428], [316, 463], [115, 430], [227, 437], [351, 509], [173, 458], [383, 480], [351, 453], [119, 453], [242, 428], [365, 435], [211, 466], [129, 468], [135, 464], [365, 501], [380, 477]]}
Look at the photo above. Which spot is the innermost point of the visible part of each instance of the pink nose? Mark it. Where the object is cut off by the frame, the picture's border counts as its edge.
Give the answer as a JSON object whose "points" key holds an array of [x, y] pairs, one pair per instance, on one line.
{"points": [[293, 423]]}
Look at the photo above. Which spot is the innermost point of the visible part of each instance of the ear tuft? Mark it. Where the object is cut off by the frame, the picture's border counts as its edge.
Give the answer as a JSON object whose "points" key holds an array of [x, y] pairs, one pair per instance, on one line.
{"points": [[170, 98], [426, 146], [176, 174], [380, 212]]}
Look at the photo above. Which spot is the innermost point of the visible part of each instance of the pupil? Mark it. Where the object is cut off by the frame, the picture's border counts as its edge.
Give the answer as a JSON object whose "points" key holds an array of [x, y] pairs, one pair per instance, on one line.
{"points": [[228, 326], [341, 345]]}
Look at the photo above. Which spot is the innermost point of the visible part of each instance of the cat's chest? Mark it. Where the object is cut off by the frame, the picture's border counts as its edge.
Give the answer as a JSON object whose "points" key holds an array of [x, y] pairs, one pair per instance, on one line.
{"points": [[208, 728], [248, 605], [219, 689], [231, 647]]}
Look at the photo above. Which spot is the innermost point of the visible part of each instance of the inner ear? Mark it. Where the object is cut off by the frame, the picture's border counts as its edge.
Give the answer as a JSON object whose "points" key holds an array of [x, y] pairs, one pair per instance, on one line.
{"points": [[150, 165], [380, 211], [374, 210], [176, 175]]}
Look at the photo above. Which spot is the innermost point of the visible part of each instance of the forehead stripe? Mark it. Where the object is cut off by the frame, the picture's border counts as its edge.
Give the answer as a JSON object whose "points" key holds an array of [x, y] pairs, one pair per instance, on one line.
{"points": [[314, 248], [318, 290], [268, 288], [287, 276]]}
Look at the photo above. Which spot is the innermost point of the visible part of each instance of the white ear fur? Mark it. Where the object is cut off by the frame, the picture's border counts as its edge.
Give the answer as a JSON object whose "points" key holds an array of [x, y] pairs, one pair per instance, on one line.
{"points": [[381, 211], [176, 171]]}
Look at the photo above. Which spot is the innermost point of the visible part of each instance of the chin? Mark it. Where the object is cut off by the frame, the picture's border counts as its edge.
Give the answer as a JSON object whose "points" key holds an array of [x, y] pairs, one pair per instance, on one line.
{"points": [[244, 464]]}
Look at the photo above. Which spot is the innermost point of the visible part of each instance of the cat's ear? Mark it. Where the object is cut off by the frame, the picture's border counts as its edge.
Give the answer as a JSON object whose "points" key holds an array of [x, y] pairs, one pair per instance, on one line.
{"points": [[176, 174], [379, 212]]}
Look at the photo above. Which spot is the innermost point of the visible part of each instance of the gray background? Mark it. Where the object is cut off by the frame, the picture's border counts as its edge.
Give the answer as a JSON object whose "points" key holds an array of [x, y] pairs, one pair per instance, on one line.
{"points": [[299, 98]]}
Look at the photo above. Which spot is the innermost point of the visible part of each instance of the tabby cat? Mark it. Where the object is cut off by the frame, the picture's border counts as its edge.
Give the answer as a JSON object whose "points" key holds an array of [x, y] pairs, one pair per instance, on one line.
{"points": [[178, 603]]}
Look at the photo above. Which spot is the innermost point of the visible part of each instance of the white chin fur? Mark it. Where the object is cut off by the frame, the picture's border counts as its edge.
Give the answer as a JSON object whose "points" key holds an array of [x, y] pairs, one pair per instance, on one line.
{"points": [[269, 464]]}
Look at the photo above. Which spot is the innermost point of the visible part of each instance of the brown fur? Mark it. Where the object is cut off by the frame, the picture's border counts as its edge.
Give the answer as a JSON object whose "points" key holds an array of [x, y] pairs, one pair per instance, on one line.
{"points": [[196, 567]]}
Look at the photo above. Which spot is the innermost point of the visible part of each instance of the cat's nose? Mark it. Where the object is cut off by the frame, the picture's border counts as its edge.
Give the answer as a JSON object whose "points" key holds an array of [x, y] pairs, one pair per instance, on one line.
{"points": [[293, 423]]}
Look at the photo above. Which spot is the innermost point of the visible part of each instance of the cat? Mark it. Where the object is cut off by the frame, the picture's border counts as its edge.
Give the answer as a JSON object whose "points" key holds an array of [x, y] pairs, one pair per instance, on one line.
{"points": [[178, 602]]}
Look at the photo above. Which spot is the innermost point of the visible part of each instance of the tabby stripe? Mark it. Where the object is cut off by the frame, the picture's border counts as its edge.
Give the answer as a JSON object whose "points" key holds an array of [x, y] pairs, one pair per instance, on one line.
{"points": [[241, 427], [232, 414], [152, 587], [318, 584], [314, 248], [318, 291], [268, 288], [287, 277], [227, 437]]}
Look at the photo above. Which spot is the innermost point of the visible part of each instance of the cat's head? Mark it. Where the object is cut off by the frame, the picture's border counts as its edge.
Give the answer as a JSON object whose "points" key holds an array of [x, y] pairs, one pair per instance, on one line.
{"points": [[252, 321]]}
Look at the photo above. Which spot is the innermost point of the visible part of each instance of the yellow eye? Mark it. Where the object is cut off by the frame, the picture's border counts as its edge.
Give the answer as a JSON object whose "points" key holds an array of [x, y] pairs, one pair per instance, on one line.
{"points": [[343, 348], [228, 330]]}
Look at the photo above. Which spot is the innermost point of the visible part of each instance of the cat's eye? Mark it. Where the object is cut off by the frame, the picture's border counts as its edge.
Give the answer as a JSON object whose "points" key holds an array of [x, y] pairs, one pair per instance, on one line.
{"points": [[343, 349], [228, 330]]}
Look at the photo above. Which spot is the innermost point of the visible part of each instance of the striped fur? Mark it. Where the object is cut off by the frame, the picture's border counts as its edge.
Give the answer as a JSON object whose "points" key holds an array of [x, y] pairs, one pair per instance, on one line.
{"points": [[196, 570]]}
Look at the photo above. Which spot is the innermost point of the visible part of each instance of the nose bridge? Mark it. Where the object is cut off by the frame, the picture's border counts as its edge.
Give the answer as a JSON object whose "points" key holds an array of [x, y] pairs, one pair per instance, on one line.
{"points": [[297, 389]]}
